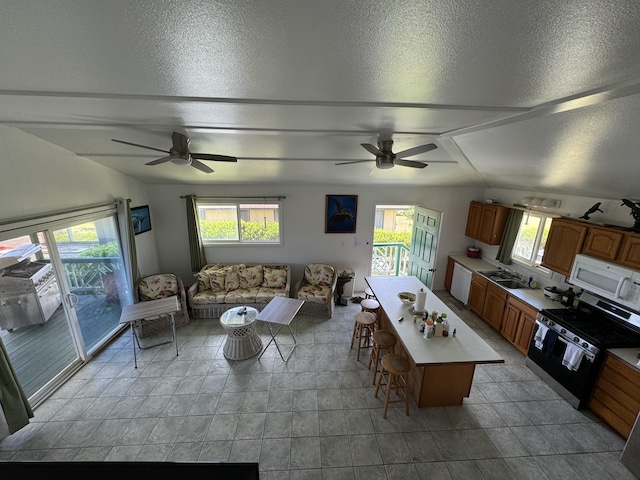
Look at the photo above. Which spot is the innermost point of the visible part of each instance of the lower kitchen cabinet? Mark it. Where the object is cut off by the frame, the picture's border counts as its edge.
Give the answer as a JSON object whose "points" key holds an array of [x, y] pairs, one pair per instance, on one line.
{"points": [[518, 323], [494, 305], [449, 274], [477, 294], [616, 396]]}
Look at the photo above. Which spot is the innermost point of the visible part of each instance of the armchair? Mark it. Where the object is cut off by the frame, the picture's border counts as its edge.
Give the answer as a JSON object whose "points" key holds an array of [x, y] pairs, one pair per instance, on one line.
{"points": [[153, 287], [317, 288]]}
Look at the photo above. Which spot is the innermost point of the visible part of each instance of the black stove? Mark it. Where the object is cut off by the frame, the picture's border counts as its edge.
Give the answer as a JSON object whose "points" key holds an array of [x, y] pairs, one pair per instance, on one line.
{"points": [[595, 326]]}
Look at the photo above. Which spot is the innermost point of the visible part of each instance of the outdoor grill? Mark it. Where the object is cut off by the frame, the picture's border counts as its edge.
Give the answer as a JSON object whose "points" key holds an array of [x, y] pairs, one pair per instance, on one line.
{"points": [[29, 292]]}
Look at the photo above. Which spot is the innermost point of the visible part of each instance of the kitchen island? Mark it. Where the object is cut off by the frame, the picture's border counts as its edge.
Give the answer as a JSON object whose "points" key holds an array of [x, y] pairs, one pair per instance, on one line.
{"points": [[442, 368]]}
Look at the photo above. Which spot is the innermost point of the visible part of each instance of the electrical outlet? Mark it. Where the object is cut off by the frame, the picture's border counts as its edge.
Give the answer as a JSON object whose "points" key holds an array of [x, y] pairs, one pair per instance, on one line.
{"points": [[557, 277]]}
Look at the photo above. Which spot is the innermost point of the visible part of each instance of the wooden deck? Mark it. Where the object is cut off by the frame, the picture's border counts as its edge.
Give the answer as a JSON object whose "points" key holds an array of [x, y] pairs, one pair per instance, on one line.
{"points": [[39, 352]]}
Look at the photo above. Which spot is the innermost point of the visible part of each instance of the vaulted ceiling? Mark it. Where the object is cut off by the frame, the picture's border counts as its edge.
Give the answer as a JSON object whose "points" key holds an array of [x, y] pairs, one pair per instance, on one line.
{"points": [[539, 95]]}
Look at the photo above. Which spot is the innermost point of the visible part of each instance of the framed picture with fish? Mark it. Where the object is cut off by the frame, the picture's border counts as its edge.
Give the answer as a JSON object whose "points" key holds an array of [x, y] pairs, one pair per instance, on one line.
{"points": [[141, 219], [340, 214]]}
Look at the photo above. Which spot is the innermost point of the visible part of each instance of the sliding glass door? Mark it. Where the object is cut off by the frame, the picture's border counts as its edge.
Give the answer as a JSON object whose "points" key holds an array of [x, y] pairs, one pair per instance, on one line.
{"points": [[94, 275], [61, 295]]}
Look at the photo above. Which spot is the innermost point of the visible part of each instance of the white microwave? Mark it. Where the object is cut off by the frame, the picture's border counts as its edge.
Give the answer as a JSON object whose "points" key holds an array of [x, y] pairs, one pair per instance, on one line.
{"points": [[613, 282]]}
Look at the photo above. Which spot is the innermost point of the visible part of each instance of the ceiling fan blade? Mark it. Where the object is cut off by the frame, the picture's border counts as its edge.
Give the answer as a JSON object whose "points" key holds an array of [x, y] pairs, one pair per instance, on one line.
{"points": [[355, 161], [138, 145], [159, 161], [371, 149], [374, 170], [416, 150], [180, 142], [213, 157], [411, 163], [200, 166]]}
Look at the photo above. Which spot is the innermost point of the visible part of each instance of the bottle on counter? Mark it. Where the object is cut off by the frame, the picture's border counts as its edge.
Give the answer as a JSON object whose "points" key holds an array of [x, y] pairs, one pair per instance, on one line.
{"points": [[576, 299], [428, 329], [568, 297]]}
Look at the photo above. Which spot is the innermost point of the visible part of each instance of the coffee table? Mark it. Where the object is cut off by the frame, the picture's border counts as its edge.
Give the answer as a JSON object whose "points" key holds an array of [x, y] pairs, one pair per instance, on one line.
{"points": [[280, 311], [242, 339]]}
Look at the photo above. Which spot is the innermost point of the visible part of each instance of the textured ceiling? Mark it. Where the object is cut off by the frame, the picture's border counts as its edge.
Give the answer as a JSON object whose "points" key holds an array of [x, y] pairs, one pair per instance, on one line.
{"points": [[533, 95]]}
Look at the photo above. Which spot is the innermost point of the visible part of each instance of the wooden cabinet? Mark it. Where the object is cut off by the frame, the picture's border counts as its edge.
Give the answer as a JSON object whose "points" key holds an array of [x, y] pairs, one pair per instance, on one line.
{"points": [[565, 240], [616, 396], [477, 293], [518, 323], [486, 222], [603, 243], [629, 252], [449, 275], [494, 304]]}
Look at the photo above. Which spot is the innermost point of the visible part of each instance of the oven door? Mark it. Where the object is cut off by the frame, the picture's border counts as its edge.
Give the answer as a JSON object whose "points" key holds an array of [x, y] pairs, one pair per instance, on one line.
{"points": [[574, 385]]}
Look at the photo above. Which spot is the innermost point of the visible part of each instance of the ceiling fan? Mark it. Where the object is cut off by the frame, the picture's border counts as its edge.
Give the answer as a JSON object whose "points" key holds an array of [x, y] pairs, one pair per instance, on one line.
{"points": [[385, 158], [179, 154]]}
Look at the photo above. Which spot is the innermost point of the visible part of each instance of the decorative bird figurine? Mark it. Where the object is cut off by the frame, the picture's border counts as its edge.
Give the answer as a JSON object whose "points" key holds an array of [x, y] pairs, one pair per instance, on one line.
{"points": [[635, 213], [595, 208]]}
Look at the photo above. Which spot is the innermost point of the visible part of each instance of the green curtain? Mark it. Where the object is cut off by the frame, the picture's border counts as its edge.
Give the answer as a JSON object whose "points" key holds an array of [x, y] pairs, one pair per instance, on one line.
{"points": [[13, 400], [131, 240], [196, 248], [509, 237]]}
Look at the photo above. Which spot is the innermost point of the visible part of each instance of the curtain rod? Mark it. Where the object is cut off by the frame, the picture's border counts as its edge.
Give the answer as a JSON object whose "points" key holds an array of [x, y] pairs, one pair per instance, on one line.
{"points": [[277, 197]]}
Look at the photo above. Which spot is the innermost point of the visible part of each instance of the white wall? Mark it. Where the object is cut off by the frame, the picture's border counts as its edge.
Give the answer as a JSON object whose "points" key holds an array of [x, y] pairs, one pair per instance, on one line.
{"points": [[39, 177], [303, 219]]}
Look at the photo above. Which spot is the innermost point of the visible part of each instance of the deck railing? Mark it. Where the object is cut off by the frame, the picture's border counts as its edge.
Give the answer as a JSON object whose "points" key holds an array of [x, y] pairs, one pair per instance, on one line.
{"points": [[390, 259], [86, 275]]}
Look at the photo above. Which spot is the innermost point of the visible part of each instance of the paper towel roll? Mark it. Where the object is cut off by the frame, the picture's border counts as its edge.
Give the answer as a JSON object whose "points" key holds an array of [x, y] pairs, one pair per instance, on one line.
{"points": [[421, 299]]}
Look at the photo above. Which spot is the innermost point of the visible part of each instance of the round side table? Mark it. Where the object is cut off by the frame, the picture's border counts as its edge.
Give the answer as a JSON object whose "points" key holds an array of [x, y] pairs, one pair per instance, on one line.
{"points": [[242, 339]]}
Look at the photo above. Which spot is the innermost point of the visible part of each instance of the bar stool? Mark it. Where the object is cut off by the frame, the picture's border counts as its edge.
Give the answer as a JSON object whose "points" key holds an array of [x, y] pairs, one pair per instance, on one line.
{"points": [[370, 305], [363, 328], [368, 293], [394, 375], [382, 340]]}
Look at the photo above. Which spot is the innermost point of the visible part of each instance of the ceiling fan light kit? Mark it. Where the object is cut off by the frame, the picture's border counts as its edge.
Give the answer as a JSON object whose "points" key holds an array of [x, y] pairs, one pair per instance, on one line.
{"points": [[179, 154]]}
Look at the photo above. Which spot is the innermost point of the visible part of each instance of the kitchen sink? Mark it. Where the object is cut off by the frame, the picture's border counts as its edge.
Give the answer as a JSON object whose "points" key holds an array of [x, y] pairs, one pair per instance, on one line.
{"points": [[497, 275], [512, 284]]}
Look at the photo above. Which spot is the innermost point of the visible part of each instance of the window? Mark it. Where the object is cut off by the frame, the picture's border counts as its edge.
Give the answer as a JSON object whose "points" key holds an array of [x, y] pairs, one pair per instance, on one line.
{"points": [[532, 237], [239, 223]]}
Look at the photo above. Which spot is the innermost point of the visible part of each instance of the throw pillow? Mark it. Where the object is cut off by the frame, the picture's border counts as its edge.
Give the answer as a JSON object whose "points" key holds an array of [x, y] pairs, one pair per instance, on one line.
{"points": [[319, 274], [204, 282], [232, 282], [250, 277], [275, 277], [218, 280], [153, 287]]}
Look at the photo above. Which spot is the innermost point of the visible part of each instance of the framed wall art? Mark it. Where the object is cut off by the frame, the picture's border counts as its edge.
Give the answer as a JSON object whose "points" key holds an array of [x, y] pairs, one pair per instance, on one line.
{"points": [[340, 214], [141, 219]]}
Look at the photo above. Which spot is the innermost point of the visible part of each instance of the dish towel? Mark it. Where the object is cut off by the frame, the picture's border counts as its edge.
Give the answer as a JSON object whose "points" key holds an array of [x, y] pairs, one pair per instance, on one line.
{"points": [[540, 334], [549, 342], [572, 357]]}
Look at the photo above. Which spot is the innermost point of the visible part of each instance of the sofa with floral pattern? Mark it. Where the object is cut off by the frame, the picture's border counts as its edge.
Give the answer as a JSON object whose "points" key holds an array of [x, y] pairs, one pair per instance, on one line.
{"points": [[222, 286], [317, 288], [154, 287]]}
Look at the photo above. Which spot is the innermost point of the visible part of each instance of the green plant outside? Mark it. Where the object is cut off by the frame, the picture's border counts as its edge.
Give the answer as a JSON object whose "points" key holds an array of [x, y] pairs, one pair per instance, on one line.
{"points": [[390, 236], [105, 250], [228, 230]]}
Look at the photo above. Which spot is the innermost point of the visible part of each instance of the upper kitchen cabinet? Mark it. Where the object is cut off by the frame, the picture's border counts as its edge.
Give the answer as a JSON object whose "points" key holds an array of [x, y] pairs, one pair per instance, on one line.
{"points": [[629, 252], [603, 243], [565, 240], [486, 222]]}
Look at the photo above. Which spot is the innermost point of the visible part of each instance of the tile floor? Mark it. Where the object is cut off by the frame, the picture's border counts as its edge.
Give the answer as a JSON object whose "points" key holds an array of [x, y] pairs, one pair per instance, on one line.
{"points": [[314, 417]]}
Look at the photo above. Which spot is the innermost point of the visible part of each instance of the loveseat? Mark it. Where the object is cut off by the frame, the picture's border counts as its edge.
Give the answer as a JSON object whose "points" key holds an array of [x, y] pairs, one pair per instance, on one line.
{"points": [[222, 286]]}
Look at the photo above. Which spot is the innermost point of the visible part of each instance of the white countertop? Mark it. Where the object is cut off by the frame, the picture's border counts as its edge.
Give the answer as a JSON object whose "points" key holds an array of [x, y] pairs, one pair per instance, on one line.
{"points": [[532, 296], [465, 347]]}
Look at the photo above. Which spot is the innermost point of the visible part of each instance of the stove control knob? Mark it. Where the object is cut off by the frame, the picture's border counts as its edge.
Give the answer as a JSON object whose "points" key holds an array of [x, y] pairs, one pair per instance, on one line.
{"points": [[585, 345], [550, 323], [563, 331], [576, 339]]}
